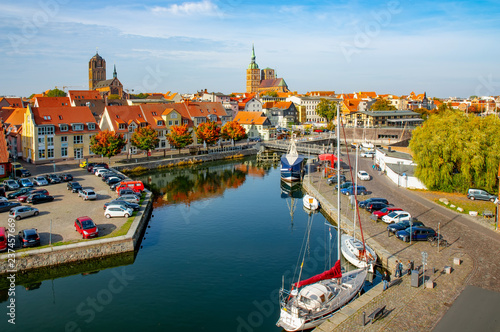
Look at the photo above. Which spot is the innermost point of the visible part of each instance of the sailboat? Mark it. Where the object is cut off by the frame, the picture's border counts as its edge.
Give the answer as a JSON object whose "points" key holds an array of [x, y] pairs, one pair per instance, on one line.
{"points": [[354, 250], [291, 164], [310, 302]]}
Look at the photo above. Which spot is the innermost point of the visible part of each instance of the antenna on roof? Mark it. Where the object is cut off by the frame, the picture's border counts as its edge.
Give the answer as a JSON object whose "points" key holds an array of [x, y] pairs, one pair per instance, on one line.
{"points": [[97, 50]]}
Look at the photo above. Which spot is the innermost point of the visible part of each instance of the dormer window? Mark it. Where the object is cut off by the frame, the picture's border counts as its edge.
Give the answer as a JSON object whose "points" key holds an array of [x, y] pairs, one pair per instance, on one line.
{"points": [[154, 113], [47, 117], [91, 126], [60, 117], [63, 127], [117, 116], [77, 127], [159, 123], [140, 115], [121, 126]]}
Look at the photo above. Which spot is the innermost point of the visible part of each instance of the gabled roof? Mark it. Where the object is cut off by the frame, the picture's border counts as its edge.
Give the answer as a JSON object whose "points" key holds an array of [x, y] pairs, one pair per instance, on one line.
{"points": [[367, 94], [247, 118], [351, 104], [283, 104], [64, 115], [123, 114], [6, 112], [152, 114], [84, 95], [106, 83], [16, 117], [206, 109], [13, 102], [52, 102], [272, 82]]}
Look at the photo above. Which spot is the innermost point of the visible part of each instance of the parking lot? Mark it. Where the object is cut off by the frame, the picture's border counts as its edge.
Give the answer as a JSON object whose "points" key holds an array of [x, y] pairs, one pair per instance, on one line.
{"points": [[55, 222]]}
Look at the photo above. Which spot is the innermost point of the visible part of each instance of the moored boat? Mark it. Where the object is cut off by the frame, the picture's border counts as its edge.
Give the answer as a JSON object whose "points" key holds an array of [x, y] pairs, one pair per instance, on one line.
{"points": [[357, 253], [291, 164], [310, 202]]}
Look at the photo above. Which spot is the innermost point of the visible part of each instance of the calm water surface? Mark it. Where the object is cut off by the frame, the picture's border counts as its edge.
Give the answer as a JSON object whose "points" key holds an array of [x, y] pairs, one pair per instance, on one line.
{"points": [[220, 240]]}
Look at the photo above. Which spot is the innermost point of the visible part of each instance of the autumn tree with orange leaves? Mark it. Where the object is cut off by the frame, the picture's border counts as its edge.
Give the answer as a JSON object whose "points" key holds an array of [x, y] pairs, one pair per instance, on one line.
{"points": [[107, 143], [208, 132], [145, 138], [179, 137], [233, 130]]}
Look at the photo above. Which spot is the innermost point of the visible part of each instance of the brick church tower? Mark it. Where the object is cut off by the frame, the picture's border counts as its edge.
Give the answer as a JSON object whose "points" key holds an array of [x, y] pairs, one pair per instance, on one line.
{"points": [[97, 70], [253, 74]]}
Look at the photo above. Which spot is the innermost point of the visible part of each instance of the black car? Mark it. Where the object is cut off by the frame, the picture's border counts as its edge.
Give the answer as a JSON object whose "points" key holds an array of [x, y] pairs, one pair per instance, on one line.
{"points": [[74, 187], [29, 238], [20, 192], [6, 206], [23, 173], [54, 178], [363, 204], [67, 177], [109, 174], [402, 225], [39, 198], [91, 167], [376, 206], [113, 180], [129, 205]]}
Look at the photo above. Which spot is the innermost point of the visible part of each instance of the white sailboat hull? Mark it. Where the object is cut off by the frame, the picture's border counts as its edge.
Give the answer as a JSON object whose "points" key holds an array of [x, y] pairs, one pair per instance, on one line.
{"points": [[310, 202], [296, 315], [350, 248]]}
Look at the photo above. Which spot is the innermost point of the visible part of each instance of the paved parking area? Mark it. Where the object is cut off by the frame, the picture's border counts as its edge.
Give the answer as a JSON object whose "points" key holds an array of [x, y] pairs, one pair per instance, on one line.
{"points": [[56, 219]]}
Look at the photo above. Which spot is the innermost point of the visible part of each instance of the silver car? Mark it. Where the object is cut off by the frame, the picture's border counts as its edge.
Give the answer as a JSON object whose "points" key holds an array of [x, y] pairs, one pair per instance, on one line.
{"points": [[20, 212], [130, 198]]}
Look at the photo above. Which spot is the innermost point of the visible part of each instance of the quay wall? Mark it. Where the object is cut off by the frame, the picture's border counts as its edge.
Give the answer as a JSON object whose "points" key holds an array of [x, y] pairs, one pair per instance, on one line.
{"points": [[387, 259]]}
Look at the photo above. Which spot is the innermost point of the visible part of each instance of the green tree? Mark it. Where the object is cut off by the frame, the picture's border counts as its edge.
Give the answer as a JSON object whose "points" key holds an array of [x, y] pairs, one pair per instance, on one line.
{"points": [[444, 107], [113, 96], [382, 105], [56, 93], [327, 109], [454, 151], [107, 143], [145, 138], [270, 94], [140, 96], [179, 137]]}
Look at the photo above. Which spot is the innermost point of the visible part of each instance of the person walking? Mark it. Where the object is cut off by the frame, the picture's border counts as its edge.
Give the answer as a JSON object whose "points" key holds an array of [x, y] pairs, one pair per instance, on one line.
{"points": [[386, 279], [410, 267], [397, 272]]}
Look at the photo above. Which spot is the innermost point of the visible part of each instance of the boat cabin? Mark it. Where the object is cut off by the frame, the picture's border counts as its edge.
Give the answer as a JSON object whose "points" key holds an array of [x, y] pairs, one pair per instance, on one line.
{"points": [[313, 297]]}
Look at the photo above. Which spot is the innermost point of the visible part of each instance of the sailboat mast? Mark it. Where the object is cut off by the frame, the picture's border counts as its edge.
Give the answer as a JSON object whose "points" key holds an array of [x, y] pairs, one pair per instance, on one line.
{"points": [[338, 181]]}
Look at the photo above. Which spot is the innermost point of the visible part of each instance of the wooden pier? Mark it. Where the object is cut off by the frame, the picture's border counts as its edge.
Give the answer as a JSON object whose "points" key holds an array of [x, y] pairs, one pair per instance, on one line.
{"points": [[267, 157]]}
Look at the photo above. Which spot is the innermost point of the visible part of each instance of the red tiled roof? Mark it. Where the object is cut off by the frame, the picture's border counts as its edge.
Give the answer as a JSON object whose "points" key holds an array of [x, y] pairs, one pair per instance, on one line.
{"points": [[257, 118], [14, 102], [123, 114], [152, 113], [283, 104], [4, 153], [84, 95], [52, 101], [65, 115], [16, 117]]}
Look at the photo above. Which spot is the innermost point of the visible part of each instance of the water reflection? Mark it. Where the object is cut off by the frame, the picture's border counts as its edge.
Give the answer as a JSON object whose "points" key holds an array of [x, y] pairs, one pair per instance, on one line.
{"points": [[199, 182]]}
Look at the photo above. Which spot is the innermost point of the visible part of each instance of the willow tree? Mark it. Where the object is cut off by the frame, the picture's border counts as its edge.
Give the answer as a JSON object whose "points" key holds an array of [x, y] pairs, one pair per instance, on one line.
{"points": [[327, 109], [455, 151]]}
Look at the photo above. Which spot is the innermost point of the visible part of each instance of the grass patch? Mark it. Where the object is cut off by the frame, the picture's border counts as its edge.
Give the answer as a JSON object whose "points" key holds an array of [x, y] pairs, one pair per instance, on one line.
{"points": [[122, 231]]}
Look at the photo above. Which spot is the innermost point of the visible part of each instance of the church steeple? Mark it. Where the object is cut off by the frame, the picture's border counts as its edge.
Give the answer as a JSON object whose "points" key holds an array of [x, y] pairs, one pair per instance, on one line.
{"points": [[114, 72], [253, 64]]}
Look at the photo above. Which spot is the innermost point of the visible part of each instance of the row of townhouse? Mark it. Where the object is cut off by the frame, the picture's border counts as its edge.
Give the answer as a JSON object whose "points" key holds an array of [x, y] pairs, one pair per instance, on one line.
{"points": [[56, 133]]}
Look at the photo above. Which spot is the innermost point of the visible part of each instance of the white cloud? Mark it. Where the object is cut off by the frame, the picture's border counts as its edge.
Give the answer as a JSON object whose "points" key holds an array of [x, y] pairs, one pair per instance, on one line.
{"points": [[204, 7]]}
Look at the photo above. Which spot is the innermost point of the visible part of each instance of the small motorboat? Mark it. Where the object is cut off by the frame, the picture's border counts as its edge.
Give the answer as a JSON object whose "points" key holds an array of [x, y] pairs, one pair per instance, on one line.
{"points": [[310, 202]]}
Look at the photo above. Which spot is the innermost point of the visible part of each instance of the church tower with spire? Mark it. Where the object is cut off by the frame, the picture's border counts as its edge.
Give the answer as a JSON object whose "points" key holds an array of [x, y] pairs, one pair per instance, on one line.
{"points": [[97, 70], [253, 74]]}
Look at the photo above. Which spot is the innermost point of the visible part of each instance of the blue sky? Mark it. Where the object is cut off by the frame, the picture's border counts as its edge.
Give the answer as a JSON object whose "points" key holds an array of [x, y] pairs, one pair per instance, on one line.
{"points": [[447, 48]]}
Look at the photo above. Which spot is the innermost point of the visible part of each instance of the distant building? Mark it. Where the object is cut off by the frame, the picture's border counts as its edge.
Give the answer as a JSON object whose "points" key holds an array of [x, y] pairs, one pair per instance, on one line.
{"points": [[259, 81], [97, 70], [256, 124], [382, 119]]}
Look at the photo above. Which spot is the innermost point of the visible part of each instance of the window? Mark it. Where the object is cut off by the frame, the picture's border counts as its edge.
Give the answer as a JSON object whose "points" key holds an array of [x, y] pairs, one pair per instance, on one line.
{"points": [[131, 128], [41, 140], [78, 139], [91, 126], [60, 117], [185, 121], [77, 126], [121, 126], [41, 154], [63, 127], [50, 141], [154, 113], [173, 116], [170, 122], [50, 153], [159, 123], [176, 122], [78, 153], [45, 130], [64, 139], [64, 152]]}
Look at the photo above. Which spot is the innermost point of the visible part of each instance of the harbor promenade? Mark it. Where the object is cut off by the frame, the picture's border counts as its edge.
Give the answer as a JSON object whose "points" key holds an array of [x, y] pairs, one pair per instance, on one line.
{"points": [[413, 308]]}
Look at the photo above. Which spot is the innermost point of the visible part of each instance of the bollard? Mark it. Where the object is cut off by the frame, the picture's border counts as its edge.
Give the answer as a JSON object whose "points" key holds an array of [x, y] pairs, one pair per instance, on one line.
{"points": [[364, 318]]}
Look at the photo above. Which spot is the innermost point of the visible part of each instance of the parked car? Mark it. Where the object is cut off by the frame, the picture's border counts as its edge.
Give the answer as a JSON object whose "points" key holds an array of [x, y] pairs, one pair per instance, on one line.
{"points": [[67, 177], [112, 180], [376, 206], [23, 197], [87, 194], [86, 227], [36, 198], [2, 189], [54, 178], [29, 238], [344, 185], [20, 192], [350, 191], [367, 154], [402, 225], [417, 234], [3, 199], [3, 239], [385, 211], [74, 187], [22, 173], [101, 171], [362, 204], [26, 183], [20, 212], [10, 184], [6, 206], [130, 198], [117, 211], [481, 194], [364, 176], [118, 201], [91, 167], [135, 185], [40, 181], [112, 175], [129, 192], [334, 178], [396, 216]]}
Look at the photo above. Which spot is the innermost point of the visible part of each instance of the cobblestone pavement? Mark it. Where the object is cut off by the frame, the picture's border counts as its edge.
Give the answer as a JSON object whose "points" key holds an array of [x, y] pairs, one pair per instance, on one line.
{"points": [[417, 309]]}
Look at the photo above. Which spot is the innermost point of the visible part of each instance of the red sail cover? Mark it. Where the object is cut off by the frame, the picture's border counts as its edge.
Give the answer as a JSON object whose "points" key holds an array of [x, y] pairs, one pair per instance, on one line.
{"points": [[329, 157], [334, 272]]}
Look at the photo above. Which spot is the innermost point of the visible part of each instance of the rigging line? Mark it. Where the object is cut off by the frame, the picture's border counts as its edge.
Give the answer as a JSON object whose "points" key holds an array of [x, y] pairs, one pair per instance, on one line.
{"points": [[355, 190], [310, 219]]}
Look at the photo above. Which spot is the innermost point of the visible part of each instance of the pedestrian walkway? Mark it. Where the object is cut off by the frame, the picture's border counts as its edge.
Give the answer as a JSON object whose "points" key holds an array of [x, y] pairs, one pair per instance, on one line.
{"points": [[411, 308]]}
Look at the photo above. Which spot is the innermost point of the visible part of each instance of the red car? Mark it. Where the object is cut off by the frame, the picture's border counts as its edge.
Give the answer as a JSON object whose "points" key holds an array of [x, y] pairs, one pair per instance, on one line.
{"points": [[385, 211], [23, 198], [86, 227]]}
